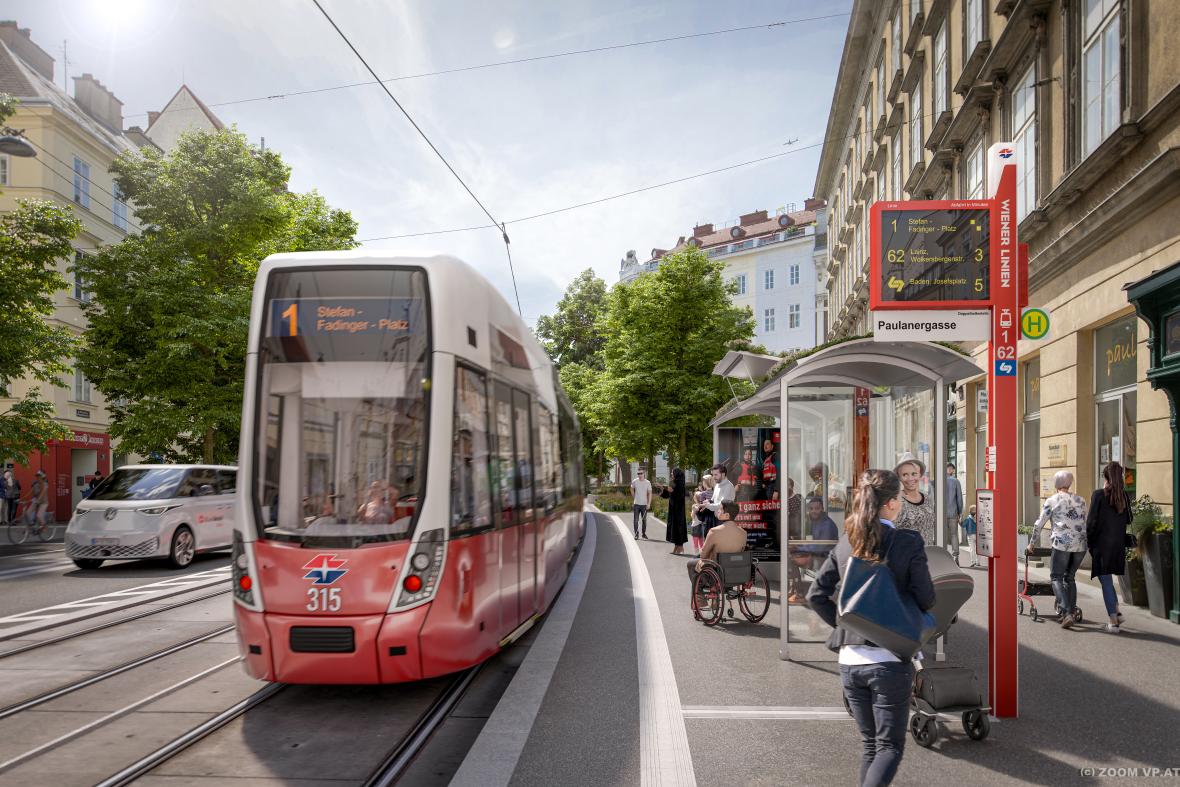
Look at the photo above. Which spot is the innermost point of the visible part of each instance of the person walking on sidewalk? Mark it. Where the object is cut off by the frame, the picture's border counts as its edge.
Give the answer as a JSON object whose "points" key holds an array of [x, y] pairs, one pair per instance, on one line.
{"points": [[954, 509], [1067, 513], [11, 496], [1106, 535], [877, 683], [641, 490], [677, 527], [969, 534], [701, 515]]}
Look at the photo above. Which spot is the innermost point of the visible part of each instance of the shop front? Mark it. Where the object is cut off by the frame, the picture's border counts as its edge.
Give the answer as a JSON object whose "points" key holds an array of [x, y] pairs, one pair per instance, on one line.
{"points": [[68, 465]]}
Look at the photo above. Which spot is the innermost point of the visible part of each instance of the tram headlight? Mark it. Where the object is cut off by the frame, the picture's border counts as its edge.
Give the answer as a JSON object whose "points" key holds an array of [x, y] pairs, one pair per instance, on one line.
{"points": [[420, 561], [427, 561], [243, 583]]}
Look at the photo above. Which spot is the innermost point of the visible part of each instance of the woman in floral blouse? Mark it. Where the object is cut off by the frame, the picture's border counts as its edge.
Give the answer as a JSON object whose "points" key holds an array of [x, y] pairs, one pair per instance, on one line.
{"points": [[1067, 513]]}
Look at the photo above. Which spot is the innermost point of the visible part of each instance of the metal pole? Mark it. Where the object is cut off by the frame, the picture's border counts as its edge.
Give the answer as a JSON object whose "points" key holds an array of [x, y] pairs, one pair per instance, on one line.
{"points": [[784, 650], [938, 478]]}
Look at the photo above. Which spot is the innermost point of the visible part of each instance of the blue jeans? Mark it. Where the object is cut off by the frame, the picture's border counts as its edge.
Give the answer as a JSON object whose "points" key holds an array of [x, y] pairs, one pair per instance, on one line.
{"points": [[879, 696], [1108, 597], [639, 515], [1062, 567]]}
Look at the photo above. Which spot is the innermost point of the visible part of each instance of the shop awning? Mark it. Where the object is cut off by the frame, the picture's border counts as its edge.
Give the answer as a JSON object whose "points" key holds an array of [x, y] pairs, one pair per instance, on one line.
{"points": [[861, 362]]}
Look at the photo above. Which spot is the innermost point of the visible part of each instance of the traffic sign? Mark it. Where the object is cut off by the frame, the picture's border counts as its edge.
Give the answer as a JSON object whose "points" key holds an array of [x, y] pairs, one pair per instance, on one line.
{"points": [[1034, 323], [932, 254]]}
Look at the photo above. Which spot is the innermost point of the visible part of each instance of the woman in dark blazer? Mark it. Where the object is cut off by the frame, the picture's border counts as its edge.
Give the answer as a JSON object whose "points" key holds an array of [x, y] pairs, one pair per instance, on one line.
{"points": [[677, 525], [877, 683], [1106, 534]]}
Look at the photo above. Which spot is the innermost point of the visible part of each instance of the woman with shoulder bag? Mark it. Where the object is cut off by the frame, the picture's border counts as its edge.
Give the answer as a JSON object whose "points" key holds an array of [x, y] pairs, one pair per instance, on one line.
{"points": [[877, 684], [1106, 533]]}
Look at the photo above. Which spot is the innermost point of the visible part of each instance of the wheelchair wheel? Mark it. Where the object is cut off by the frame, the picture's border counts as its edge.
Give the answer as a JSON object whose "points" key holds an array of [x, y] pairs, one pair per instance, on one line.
{"points": [[755, 597], [708, 597]]}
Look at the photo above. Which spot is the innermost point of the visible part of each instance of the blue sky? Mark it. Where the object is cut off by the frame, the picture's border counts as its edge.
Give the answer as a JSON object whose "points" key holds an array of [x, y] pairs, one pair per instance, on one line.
{"points": [[527, 138]]}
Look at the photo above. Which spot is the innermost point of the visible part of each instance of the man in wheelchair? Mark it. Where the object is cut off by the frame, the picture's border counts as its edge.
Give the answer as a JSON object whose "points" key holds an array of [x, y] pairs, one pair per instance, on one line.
{"points": [[726, 572]]}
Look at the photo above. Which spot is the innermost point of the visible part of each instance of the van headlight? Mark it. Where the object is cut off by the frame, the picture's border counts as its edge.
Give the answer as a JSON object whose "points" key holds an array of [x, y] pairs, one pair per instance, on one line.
{"points": [[156, 511]]}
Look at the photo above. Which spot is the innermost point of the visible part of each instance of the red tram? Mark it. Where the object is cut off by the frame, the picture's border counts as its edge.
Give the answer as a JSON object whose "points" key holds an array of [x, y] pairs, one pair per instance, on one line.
{"points": [[410, 472]]}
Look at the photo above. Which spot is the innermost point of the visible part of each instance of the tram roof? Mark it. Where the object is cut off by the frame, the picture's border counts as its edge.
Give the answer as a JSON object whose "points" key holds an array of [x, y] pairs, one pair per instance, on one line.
{"points": [[861, 362]]}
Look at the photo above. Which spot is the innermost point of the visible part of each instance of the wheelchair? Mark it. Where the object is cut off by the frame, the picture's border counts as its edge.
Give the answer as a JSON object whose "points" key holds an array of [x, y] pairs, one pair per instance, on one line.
{"points": [[733, 576]]}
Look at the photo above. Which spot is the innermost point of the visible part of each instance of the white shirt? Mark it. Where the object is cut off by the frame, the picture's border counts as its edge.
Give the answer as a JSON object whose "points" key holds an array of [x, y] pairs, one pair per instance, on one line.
{"points": [[722, 492], [864, 654], [642, 489]]}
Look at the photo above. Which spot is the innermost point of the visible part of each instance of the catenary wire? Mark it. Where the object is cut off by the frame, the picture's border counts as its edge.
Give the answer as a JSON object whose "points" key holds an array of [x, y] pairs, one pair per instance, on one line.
{"points": [[837, 138], [437, 152], [516, 61]]}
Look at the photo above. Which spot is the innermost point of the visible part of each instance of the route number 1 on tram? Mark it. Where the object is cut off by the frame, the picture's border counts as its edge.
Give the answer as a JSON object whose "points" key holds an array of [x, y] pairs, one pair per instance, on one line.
{"points": [[291, 314], [323, 599]]}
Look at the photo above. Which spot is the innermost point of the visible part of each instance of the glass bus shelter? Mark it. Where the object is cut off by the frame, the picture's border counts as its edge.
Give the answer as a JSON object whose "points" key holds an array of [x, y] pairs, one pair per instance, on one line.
{"points": [[850, 407]]}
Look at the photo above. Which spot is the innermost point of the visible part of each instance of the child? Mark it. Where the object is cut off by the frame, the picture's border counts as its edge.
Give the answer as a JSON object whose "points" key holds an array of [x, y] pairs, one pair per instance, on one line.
{"points": [[703, 495], [968, 525]]}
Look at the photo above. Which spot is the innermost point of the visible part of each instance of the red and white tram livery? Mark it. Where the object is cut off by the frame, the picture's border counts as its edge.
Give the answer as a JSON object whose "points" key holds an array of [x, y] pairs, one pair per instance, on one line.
{"points": [[410, 472]]}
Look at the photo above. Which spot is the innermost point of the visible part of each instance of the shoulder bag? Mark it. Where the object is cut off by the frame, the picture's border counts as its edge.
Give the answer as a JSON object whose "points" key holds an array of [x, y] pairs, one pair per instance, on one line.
{"points": [[872, 606]]}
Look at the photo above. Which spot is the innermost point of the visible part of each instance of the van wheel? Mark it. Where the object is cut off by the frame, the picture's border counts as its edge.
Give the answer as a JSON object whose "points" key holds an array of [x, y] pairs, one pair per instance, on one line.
{"points": [[87, 562], [184, 548]]}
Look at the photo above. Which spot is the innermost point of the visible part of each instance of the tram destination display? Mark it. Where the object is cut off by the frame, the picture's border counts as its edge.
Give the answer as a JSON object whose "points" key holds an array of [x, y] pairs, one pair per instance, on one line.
{"points": [[931, 254], [342, 328]]}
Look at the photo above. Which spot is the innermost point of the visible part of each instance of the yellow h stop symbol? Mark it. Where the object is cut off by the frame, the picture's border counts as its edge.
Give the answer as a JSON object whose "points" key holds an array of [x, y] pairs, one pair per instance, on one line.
{"points": [[1034, 323]]}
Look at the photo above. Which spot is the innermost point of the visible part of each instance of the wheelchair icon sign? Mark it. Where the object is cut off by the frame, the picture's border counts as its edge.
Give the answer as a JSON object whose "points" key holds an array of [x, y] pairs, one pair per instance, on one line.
{"points": [[1005, 368]]}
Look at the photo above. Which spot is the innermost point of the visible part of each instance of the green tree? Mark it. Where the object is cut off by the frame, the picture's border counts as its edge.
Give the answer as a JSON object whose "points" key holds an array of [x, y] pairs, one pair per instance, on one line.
{"points": [[574, 339], [32, 239], [170, 315], [665, 332]]}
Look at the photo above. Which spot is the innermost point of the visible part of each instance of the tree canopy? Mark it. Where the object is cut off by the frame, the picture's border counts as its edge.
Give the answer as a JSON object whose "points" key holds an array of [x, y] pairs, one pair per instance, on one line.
{"points": [[32, 240], [170, 314]]}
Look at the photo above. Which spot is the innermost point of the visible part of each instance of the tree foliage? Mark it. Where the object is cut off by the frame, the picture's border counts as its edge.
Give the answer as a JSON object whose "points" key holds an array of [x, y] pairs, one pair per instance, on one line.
{"points": [[32, 239], [170, 314], [664, 333]]}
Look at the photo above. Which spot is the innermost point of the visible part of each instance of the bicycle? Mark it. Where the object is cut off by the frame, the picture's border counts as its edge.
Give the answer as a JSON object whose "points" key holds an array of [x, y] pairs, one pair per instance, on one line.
{"points": [[25, 523]]}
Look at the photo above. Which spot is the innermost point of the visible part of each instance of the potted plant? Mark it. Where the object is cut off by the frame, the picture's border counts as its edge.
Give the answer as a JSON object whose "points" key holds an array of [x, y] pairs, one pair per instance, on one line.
{"points": [[1154, 535], [1132, 584]]}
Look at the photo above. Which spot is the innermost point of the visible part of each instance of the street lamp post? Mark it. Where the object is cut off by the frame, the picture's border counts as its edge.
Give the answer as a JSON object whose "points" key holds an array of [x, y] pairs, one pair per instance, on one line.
{"points": [[13, 143]]}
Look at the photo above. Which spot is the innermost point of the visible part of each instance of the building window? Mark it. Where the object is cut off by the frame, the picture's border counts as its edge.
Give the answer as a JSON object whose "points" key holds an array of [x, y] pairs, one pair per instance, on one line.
{"points": [[794, 276], [4, 164], [768, 318], [1024, 140], [895, 182], [118, 209], [740, 281], [768, 279], [973, 25], [1115, 416], [80, 292], [895, 51], [941, 78], [915, 11], [81, 387], [916, 125], [81, 182], [793, 316], [1100, 72], [973, 177], [880, 89]]}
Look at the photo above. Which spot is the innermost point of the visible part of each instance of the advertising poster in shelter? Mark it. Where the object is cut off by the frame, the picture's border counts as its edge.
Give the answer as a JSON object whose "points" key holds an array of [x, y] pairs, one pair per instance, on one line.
{"points": [[753, 461]]}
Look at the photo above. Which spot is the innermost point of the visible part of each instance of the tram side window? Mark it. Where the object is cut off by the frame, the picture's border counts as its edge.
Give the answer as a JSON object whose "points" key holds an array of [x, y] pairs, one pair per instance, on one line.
{"points": [[547, 462], [504, 463], [570, 448], [471, 499]]}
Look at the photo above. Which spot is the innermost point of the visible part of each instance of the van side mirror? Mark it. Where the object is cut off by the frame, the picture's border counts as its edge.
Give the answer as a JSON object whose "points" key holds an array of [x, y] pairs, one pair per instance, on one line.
{"points": [[205, 489]]}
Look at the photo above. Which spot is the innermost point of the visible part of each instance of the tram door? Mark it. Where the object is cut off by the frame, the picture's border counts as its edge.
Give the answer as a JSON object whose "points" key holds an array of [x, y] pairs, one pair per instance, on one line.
{"points": [[508, 526], [526, 513]]}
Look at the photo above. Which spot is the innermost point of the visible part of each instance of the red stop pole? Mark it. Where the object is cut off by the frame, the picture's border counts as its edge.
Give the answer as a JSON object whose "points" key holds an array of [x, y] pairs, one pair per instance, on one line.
{"points": [[1002, 425]]}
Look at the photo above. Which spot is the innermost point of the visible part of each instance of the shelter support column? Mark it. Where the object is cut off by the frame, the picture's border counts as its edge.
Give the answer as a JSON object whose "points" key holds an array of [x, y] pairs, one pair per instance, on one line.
{"points": [[784, 648]]}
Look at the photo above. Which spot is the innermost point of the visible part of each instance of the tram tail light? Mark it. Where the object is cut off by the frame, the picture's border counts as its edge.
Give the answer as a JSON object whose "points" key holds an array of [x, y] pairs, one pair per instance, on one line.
{"points": [[243, 583], [426, 561]]}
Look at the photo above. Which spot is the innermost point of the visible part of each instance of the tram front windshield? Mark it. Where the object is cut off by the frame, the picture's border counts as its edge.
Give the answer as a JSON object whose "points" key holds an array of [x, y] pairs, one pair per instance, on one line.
{"points": [[341, 429]]}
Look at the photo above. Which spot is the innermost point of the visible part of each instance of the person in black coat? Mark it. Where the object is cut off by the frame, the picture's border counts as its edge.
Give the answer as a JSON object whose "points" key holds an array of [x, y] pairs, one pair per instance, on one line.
{"points": [[677, 525], [877, 683], [1106, 534]]}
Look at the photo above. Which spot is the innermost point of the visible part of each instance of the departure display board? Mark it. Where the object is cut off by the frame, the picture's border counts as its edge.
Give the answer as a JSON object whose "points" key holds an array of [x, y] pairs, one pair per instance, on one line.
{"points": [[931, 254]]}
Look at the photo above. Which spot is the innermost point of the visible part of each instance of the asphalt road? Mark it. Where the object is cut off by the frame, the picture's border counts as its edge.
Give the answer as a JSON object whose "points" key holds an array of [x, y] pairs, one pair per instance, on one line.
{"points": [[39, 575]]}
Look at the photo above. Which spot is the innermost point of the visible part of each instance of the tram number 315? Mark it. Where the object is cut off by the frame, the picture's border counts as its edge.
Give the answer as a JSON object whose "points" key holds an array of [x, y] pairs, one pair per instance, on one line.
{"points": [[323, 599]]}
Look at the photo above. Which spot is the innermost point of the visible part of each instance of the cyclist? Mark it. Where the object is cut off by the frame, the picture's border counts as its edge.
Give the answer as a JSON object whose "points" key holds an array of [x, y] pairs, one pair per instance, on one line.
{"points": [[39, 500]]}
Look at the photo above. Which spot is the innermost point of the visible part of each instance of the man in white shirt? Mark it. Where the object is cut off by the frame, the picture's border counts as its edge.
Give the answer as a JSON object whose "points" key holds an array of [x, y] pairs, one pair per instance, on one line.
{"points": [[641, 488], [723, 491]]}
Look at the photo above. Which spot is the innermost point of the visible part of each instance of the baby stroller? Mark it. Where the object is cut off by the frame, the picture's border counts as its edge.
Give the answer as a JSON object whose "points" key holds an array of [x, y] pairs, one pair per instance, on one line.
{"points": [[1026, 589]]}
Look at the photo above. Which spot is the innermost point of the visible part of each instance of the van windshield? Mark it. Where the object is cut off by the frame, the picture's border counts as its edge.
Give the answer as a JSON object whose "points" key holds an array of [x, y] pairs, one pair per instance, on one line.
{"points": [[341, 428], [140, 483]]}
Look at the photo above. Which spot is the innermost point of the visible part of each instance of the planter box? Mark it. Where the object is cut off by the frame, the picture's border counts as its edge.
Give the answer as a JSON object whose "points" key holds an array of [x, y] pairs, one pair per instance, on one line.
{"points": [[1021, 545], [1157, 570], [1132, 585]]}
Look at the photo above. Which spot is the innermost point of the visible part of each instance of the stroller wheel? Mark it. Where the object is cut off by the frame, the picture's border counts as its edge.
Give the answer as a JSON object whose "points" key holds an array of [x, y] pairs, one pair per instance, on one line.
{"points": [[924, 729], [1077, 614], [1019, 606], [1032, 611], [976, 724]]}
